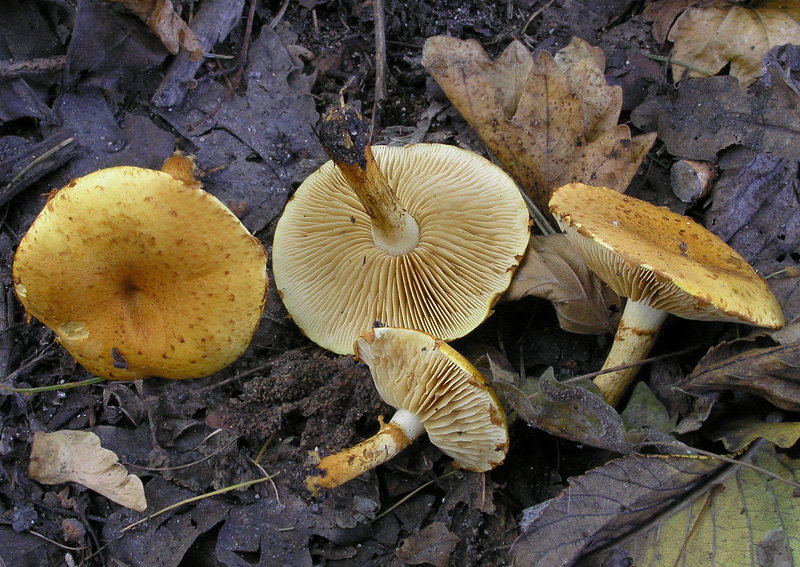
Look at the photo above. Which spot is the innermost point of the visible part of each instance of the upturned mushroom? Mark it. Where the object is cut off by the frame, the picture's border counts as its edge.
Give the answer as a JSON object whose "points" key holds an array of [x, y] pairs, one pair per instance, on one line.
{"points": [[663, 263], [425, 236], [435, 390], [141, 274]]}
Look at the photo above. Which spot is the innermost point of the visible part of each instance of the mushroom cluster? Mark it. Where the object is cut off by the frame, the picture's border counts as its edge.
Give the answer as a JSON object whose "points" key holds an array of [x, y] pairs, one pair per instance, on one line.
{"points": [[142, 273], [423, 239], [663, 263]]}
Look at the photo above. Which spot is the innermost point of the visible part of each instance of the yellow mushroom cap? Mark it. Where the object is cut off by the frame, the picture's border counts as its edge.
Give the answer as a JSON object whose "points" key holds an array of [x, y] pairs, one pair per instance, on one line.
{"points": [[140, 274], [334, 280], [459, 410], [667, 261]]}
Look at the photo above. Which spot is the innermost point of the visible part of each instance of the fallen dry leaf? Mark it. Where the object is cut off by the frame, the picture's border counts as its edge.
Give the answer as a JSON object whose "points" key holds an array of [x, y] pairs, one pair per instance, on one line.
{"points": [[567, 411], [755, 209], [764, 365], [667, 511], [605, 504], [76, 456], [738, 434], [663, 13], [710, 114], [553, 270], [432, 545], [711, 36], [548, 120], [160, 16]]}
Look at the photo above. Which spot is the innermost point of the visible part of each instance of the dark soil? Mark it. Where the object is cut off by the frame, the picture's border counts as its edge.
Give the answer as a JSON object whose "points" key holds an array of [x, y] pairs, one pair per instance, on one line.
{"points": [[99, 69]]}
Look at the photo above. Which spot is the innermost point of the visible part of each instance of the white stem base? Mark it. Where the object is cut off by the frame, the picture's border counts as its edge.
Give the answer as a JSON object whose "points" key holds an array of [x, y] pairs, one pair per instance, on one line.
{"points": [[635, 337]]}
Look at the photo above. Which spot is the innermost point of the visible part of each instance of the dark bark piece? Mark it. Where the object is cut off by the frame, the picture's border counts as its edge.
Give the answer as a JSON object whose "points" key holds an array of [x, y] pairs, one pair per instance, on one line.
{"points": [[212, 24]]}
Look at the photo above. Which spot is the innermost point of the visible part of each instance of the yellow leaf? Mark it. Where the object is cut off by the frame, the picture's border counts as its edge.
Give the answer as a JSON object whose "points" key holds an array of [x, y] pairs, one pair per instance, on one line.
{"points": [[545, 119], [711, 37], [750, 520], [663, 511], [738, 434], [583, 66]]}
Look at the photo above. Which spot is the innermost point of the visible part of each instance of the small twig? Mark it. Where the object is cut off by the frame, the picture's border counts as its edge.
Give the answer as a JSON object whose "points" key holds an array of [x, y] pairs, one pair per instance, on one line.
{"points": [[379, 19], [195, 499], [539, 219], [671, 61], [177, 467], [264, 448], [729, 460], [24, 177], [276, 20], [245, 374], [257, 464], [412, 494], [632, 364], [716, 489], [32, 67], [62, 546], [25, 365], [248, 31], [533, 17], [36, 161], [53, 387]]}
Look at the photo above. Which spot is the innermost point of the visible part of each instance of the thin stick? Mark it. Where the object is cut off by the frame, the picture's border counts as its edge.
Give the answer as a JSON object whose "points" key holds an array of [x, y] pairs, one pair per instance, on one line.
{"points": [[716, 489], [642, 362], [176, 467], [725, 459], [671, 61], [244, 374], [533, 17], [240, 68], [55, 387], [32, 67], [40, 159], [412, 493], [276, 20], [380, 51], [195, 499]]}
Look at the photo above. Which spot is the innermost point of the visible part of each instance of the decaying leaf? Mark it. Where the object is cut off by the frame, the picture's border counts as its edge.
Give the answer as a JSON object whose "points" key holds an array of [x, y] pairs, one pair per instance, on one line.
{"points": [[710, 36], [738, 434], [645, 417], [432, 545], [553, 270], [710, 114], [160, 16], [548, 120], [567, 411], [764, 365], [663, 13], [76, 456], [605, 504], [579, 413], [756, 209], [742, 517]]}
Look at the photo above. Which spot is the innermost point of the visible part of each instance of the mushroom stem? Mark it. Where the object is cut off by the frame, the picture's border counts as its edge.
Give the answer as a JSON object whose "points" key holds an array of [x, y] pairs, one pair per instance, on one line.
{"points": [[635, 336], [345, 137], [349, 463]]}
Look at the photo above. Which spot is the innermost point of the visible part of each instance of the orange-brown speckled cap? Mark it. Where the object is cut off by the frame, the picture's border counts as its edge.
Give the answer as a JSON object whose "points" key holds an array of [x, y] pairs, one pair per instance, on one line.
{"points": [[667, 261], [140, 274], [423, 375]]}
